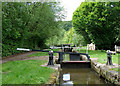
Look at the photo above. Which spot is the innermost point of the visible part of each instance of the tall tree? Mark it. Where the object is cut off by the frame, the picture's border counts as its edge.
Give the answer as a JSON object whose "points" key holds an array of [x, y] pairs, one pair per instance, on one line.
{"points": [[72, 37], [27, 24], [98, 22], [66, 25]]}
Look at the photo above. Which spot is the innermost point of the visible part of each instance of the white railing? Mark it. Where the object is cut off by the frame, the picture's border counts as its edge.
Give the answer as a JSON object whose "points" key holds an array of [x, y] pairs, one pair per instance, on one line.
{"points": [[23, 49]]}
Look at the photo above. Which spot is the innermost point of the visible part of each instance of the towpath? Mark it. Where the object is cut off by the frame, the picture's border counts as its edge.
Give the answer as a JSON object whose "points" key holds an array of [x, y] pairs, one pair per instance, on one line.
{"points": [[23, 56]]}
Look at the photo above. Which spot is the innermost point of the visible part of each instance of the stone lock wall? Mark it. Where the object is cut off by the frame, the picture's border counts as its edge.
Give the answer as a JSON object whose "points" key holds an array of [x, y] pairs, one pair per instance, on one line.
{"points": [[105, 72]]}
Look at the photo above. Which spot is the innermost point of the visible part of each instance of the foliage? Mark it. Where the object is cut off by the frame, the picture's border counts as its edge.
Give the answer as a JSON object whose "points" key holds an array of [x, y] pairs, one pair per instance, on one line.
{"points": [[66, 25], [71, 37], [25, 72], [57, 39], [28, 25], [98, 22]]}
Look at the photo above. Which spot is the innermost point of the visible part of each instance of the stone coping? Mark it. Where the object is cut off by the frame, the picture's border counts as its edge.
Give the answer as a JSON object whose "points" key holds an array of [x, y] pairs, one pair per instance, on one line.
{"points": [[104, 71]]}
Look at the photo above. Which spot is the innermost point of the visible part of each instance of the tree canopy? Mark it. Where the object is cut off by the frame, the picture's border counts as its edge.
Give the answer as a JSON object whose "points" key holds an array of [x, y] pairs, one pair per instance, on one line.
{"points": [[29, 25], [66, 25], [70, 36], [99, 23]]}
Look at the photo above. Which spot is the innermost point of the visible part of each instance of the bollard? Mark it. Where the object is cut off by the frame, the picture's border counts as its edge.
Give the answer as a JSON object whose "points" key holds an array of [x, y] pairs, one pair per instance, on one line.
{"points": [[50, 62], [109, 57]]}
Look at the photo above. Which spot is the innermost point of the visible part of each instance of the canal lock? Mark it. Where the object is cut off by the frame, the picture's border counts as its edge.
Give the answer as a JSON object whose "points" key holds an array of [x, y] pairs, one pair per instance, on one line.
{"points": [[74, 72]]}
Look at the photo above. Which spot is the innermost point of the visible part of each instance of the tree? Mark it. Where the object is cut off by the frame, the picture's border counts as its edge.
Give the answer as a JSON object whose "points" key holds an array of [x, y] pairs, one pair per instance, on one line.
{"points": [[66, 25], [71, 37], [98, 22], [28, 24]]}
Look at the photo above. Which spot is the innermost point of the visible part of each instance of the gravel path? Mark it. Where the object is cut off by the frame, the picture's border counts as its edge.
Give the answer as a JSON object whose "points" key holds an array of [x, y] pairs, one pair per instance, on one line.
{"points": [[23, 56]]}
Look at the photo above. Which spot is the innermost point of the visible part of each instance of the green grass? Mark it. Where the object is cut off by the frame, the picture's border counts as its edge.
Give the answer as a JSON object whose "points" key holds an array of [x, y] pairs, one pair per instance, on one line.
{"points": [[54, 49], [116, 69], [38, 54], [102, 56], [0, 74], [43, 53], [25, 72], [66, 57]]}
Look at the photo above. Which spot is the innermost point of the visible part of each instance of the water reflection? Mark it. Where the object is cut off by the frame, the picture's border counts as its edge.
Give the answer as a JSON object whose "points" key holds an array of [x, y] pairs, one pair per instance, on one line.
{"points": [[68, 77], [68, 83]]}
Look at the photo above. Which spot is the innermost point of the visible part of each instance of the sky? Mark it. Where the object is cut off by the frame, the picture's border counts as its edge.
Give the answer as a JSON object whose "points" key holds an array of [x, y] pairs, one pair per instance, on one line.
{"points": [[70, 6]]}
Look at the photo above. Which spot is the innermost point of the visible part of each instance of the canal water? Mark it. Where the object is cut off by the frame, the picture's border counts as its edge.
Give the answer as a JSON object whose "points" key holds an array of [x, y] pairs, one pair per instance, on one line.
{"points": [[71, 76]]}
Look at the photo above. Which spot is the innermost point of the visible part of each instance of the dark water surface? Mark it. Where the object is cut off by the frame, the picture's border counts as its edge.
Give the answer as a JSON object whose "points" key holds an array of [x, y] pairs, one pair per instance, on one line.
{"points": [[79, 76]]}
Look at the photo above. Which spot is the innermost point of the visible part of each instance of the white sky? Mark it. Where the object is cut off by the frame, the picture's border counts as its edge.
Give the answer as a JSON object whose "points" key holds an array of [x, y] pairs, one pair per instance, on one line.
{"points": [[70, 6]]}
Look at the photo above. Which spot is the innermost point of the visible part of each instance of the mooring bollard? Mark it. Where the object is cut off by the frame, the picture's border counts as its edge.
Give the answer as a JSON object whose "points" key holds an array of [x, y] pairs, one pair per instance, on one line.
{"points": [[109, 57], [50, 62]]}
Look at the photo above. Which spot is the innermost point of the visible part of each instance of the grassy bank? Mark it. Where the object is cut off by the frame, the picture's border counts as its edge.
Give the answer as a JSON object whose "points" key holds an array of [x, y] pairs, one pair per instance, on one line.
{"points": [[116, 69], [43, 53], [0, 74], [25, 72], [101, 55]]}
